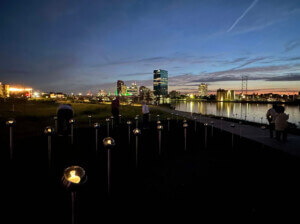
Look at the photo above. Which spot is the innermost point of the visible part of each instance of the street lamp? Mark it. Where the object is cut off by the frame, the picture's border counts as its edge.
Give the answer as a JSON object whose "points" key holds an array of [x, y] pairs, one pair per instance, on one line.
{"points": [[136, 132], [159, 128], [112, 121], [185, 125], [11, 123], [97, 127], [72, 122], [120, 118], [49, 132], [90, 120], [232, 136], [73, 178], [205, 135], [109, 143], [107, 126], [168, 119], [55, 124], [129, 124], [136, 121], [212, 128]]}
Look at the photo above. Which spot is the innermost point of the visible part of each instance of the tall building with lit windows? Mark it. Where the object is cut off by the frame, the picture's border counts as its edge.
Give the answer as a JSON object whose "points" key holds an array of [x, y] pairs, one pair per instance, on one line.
{"points": [[120, 88], [202, 90], [160, 82]]}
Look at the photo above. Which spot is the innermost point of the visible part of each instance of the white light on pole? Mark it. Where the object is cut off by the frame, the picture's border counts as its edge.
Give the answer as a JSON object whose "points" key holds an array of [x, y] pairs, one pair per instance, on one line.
{"points": [[11, 123], [136, 132], [72, 122], [109, 144], [73, 178], [159, 128], [129, 124], [49, 132], [97, 127], [107, 126], [185, 125]]}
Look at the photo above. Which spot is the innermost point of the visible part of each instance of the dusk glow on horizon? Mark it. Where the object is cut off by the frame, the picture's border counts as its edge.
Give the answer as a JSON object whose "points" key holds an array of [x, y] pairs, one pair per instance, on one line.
{"points": [[81, 46]]}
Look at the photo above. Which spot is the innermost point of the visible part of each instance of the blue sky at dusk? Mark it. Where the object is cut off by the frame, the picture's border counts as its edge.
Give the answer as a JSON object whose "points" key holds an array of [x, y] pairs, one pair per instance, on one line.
{"points": [[76, 46]]}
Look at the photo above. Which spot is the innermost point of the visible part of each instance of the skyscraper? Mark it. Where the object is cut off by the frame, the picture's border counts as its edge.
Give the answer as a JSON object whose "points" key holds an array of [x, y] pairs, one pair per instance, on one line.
{"points": [[120, 85], [202, 89], [160, 82], [133, 90]]}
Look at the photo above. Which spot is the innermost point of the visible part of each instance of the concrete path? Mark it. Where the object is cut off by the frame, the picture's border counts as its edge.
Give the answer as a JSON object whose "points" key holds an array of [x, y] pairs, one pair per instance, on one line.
{"points": [[292, 146]]}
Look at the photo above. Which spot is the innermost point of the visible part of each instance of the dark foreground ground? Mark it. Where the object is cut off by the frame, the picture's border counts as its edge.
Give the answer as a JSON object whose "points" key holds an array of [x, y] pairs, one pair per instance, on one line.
{"points": [[248, 180]]}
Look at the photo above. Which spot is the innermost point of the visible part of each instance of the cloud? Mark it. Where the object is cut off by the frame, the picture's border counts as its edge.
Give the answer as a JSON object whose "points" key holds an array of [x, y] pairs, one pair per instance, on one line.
{"points": [[243, 15], [288, 77], [291, 45]]}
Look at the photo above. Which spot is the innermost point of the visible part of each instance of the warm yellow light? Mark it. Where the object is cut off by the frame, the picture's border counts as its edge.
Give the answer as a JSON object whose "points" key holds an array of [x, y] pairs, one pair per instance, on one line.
{"points": [[109, 142], [73, 177], [13, 89]]}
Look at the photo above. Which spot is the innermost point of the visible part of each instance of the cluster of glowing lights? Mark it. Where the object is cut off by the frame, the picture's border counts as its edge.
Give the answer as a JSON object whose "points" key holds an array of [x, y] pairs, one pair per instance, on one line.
{"points": [[73, 177], [14, 89]]}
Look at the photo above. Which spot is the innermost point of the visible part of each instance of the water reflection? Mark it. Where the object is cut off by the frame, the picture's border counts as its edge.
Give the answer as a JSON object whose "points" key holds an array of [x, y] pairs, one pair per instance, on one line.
{"points": [[244, 111]]}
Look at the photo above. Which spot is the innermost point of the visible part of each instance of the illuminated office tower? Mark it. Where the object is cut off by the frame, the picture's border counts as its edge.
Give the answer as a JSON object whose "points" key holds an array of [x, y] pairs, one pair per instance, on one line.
{"points": [[160, 82], [202, 89]]}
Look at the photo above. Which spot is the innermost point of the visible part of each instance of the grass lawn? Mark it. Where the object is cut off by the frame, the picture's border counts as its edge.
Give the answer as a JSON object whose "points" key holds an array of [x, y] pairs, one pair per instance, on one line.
{"points": [[33, 116]]}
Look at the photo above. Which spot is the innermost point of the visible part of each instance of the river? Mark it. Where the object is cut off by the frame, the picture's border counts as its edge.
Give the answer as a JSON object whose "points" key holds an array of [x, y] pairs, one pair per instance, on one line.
{"points": [[245, 111]]}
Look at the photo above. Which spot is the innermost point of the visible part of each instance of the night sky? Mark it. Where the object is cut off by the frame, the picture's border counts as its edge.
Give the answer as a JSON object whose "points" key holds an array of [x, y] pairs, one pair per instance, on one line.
{"points": [[76, 46]]}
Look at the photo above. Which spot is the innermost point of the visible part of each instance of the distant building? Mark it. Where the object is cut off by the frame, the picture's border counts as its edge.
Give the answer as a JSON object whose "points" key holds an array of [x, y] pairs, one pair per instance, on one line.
{"points": [[20, 92], [225, 95], [132, 90], [160, 82], [102, 92], [121, 88], [202, 90], [4, 90]]}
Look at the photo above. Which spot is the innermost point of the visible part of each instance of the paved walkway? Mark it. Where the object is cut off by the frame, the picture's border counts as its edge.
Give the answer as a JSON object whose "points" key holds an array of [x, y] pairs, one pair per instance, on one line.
{"points": [[292, 146]]}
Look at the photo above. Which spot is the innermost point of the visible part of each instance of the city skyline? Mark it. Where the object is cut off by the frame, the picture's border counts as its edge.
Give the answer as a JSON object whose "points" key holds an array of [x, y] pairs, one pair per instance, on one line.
{"points": [[71, 46]]}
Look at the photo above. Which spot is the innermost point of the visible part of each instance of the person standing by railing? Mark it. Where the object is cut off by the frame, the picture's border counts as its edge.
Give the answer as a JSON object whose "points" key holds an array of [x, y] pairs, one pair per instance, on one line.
{"points": [[281, 124], [271, 114]]}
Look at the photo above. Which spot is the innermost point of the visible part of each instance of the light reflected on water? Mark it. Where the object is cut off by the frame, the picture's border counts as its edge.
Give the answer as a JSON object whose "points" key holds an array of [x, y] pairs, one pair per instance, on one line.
{"points": [[252, 112]]}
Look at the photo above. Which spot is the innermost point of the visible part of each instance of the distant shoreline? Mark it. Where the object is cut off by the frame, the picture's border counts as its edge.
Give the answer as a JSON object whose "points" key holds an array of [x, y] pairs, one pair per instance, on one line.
{"points": [[252, 102]]}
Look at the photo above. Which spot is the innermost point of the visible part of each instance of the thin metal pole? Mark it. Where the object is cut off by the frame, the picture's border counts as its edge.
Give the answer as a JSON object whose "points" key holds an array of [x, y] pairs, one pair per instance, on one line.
{"points": [[72, 134], [205, 137], [232, 140], [11, 142], [96, 136], [137, 123], [184, 139], [55, 125], [159, 142], [112, 123], [136, 150], [108, 171], [129, 134], [73, 196], [49, 152], [107, 126], [168, 125], [212, 130]]}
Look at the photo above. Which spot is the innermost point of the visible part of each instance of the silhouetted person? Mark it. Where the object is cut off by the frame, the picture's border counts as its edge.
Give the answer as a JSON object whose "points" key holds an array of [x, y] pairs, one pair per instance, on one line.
{"points": [[145, 111], [281, 123], [64, 114], [115, 109], [271, 114]]}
